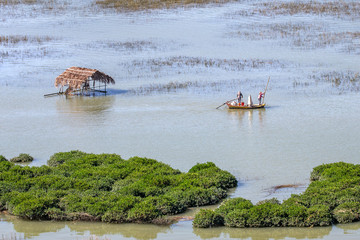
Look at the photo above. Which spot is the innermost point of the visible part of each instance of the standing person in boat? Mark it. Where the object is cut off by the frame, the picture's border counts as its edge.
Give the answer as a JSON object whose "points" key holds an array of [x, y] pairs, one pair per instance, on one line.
{"points": [[239, 96], [260, 97]]}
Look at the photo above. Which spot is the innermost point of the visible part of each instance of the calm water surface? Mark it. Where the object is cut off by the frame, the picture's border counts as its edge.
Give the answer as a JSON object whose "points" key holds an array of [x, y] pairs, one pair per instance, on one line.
{"points": [[306, 123]]}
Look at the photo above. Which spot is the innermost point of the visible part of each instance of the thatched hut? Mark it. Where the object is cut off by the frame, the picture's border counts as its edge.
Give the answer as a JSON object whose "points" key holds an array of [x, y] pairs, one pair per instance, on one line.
{"points": [[83, 80]]}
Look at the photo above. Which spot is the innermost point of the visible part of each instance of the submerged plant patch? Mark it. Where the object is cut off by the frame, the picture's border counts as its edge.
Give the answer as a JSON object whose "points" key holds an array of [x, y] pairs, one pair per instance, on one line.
{"points": [[333, 196], [340, 9], [132, 5], [343, 81], [104, 187]]}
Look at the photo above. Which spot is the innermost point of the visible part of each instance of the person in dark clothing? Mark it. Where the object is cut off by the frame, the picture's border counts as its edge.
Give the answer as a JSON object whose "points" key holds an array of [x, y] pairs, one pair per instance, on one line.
{"points": [[239, 96]]}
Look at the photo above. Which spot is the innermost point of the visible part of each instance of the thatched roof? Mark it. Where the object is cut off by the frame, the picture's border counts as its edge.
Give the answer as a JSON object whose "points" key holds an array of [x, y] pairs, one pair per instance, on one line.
{"points": [[76, 76]]}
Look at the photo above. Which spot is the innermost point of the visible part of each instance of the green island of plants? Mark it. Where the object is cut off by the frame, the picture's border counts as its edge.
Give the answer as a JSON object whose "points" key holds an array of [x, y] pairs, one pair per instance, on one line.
{"points": [[333, 196], [104, 187]]}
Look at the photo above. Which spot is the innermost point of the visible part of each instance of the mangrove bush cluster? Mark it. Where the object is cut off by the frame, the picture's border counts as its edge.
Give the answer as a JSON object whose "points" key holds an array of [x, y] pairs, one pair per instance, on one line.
{"points": [[333, 196], [104, 187]]}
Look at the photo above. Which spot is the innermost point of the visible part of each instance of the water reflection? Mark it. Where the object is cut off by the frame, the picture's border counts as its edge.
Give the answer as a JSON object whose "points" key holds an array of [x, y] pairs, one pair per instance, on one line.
{"points": [[137, 231], [249, 114], [263, 233], [31, 229], [84, 104], [350, 227], [83, 112], [34, 229], [279, 233]]}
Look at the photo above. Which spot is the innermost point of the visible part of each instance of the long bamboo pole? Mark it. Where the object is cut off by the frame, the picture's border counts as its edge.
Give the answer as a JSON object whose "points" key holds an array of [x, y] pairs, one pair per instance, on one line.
{"points": [[226, 102], [266, 89]]}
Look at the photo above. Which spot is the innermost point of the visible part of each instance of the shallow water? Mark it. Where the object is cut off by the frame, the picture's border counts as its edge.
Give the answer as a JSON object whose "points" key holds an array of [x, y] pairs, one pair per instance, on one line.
{"points": [[181, 230], [307, 122]]}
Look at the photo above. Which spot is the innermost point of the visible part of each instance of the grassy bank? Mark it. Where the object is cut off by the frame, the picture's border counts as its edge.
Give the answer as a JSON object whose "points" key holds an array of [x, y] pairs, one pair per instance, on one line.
{"points": [[332, 197], [81, 186]]}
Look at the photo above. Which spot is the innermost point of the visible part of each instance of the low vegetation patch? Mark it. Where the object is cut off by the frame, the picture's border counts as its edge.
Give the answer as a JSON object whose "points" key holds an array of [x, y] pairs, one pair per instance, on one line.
{"points": [[193, 86], [45, 5], [11, 40], [127, 46], [104, 187], [22, 158], [179, 65], [341, 9], [176, 86], [301, 35], [16, 47], [348, 81], [16, 2], [158, 64], [333, 196], [134, 5]]}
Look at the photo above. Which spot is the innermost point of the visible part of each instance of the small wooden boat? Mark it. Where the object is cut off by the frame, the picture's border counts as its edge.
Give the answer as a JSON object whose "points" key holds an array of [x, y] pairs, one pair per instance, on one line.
{"points": [[237, 106], [232, 104]]}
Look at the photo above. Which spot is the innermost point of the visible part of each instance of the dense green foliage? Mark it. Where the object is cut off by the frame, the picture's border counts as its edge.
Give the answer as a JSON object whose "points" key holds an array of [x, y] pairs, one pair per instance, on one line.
{"points": [[208, 218], [22, 158], [105, 187], [333, 196], [2, 158]]}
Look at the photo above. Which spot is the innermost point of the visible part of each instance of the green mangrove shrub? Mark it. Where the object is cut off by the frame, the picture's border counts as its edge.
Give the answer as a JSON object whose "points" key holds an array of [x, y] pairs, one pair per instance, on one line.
{"points": [[208, 218], [104, 187], [333, 196], [347, 212], [61, 157]]}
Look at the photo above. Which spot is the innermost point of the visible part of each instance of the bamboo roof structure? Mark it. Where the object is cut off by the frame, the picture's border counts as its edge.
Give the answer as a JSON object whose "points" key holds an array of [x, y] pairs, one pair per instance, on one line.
{"points": [[75, 77]]}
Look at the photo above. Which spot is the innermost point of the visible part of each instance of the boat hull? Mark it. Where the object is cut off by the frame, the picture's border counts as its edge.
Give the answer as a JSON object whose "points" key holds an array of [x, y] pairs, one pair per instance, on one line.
{"points": [[244, 107]]}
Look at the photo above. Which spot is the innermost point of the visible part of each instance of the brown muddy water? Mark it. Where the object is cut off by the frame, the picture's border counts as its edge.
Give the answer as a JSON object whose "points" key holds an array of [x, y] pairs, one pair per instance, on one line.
{"points": [[172, 69]]}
